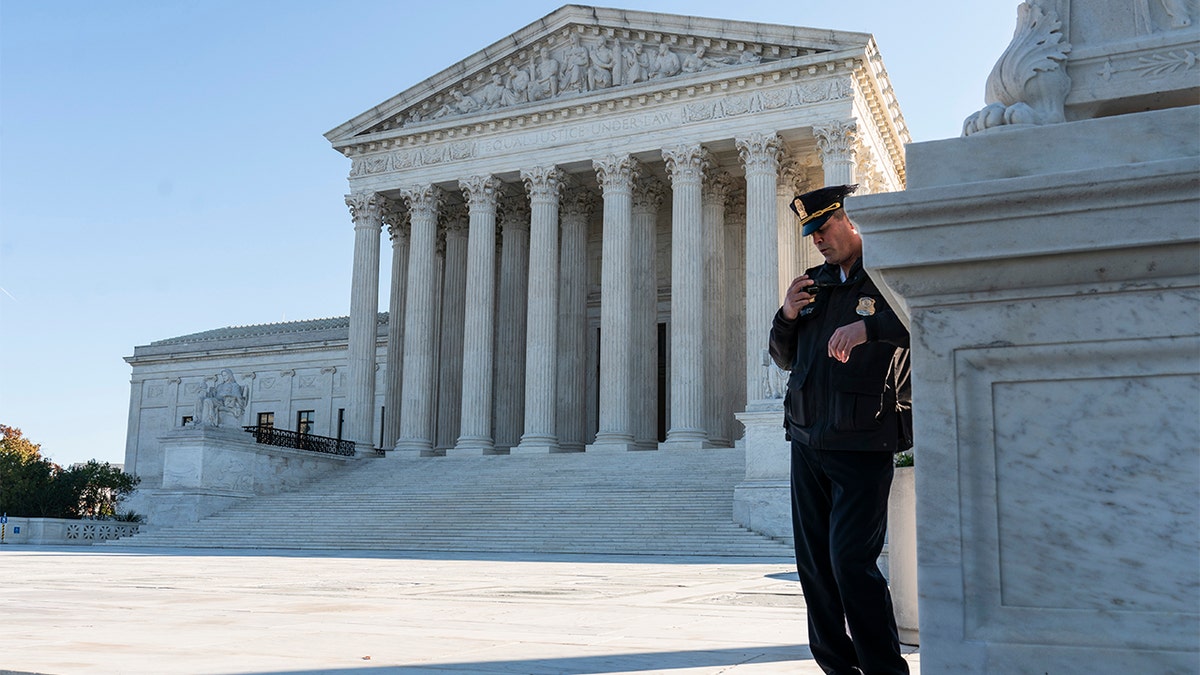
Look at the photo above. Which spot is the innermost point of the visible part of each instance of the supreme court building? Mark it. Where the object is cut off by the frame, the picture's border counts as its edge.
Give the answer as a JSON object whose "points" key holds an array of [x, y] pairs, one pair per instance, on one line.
{"points": [[590, 228], [590, 234]]}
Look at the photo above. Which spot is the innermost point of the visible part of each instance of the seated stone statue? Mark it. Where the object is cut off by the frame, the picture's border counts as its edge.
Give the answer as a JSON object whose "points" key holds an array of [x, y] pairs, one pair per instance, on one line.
{"points": [[221, 405]]}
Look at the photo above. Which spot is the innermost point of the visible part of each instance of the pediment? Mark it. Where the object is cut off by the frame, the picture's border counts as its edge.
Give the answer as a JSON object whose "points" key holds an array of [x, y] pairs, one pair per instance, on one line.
{"points": [[578, 52]]}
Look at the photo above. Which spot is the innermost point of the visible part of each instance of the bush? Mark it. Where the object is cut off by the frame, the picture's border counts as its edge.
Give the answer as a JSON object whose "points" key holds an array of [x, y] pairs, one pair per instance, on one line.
{"points": [[34, 487]]}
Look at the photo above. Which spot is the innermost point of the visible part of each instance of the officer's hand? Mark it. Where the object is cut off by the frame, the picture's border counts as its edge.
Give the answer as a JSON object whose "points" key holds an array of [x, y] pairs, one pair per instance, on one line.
{"points": [[845, 339], [795, 298]]}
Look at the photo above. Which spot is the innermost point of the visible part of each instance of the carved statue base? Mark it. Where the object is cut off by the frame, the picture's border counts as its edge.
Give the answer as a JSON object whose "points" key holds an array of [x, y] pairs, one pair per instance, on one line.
{"points": [[208, 469], [762, 502]]}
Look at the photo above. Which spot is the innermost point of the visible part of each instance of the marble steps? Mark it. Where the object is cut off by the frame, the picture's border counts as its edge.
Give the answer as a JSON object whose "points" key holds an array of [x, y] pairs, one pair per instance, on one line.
{"points": [[672, 503]]}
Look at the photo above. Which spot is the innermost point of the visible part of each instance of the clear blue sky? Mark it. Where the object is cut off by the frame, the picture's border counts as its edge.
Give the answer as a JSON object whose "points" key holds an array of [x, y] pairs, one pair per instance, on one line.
{"points": [[163, 169]]}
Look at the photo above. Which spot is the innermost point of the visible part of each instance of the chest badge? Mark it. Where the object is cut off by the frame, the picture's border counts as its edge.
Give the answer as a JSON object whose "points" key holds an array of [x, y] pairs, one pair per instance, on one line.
{"points": [[866, 306]]}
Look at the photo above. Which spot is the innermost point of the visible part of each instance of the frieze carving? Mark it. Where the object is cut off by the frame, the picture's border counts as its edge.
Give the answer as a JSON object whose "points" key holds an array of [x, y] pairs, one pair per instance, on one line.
{"points": [[572, 64], [1029, 84], [155, 391], [830, 89], [267, 383], [1153, 65], [308, 381]]}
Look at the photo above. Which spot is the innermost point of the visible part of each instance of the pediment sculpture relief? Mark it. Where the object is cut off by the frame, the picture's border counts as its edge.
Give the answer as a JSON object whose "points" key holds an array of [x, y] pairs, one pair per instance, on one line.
{"points": [[580, 65]]}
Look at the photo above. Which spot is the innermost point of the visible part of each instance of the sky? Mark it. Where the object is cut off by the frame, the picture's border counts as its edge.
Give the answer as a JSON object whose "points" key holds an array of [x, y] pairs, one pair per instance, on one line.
{"points": [[163, 169]]}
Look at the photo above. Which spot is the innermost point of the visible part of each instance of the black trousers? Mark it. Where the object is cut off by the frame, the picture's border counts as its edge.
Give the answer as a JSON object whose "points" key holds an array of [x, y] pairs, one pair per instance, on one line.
{"points": [[839, 517]]}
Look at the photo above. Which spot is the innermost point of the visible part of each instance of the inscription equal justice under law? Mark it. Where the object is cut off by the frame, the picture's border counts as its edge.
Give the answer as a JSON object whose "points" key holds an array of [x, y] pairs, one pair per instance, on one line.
{"points": [[667, 117]]}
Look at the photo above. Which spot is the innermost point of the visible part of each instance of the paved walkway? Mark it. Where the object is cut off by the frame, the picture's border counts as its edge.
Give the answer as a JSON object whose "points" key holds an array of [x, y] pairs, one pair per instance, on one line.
{"points": [[114, 610]]}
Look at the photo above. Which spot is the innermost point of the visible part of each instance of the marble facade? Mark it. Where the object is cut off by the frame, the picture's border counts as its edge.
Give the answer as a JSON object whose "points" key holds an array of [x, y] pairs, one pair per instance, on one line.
{"points": [[1052, 295], [589, 235], [638, 169]]}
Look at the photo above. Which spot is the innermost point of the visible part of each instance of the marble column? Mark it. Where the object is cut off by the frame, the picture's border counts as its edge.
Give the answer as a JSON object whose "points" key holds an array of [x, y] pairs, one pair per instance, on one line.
{"points": [[366, 212], [760, 154], [717, 413], [836, 141], [416, 407], [615, 175], [398, 226], [735, 306], [475, 429], [686, 165], [510, 335], [648, 195], [450, 352], [541, 331], [571, 420], [791, 263]]}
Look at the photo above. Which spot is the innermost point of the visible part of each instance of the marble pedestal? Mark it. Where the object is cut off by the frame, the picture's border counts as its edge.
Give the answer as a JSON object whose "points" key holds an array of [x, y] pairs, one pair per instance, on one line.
{"points": [[763, 501], [1051, 279], [209, 469]]}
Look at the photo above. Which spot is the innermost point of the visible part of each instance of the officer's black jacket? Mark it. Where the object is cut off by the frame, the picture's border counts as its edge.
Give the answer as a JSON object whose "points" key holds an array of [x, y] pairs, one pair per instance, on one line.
{"points": [[863, 404]]}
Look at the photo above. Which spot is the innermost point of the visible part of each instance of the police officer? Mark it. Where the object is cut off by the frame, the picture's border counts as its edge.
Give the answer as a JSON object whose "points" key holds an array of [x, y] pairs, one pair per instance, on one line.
{"points": [[847, 411]]}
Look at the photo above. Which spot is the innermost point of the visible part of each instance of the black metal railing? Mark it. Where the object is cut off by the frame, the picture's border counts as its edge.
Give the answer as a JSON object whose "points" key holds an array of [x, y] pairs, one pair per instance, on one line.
{"points": [[290, 439]]}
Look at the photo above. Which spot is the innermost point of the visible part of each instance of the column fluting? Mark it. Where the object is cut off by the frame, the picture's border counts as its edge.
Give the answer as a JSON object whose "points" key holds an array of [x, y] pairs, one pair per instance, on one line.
{"points": [[416, 408], [760, 155], [541, 331], [717, 413], [686, 165], [475, 430], [648, 194], [396, 219], [571, 418], [510, 336], [366, 212], [615, 175], [449, 362]]}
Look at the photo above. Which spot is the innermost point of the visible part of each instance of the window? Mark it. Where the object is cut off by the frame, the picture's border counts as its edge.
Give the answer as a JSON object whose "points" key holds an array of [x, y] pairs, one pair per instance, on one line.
{"points": [[187, 419], [304, 421], [266, 420], [341, 422]]}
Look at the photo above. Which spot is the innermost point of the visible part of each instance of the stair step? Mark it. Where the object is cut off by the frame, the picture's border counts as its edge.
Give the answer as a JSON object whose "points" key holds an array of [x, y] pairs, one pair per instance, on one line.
{"points": [[666, 502]]}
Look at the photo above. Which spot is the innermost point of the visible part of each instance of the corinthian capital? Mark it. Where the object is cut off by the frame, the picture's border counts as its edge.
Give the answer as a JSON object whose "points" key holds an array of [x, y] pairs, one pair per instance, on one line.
{"points": [[543, 182], [687, 162], [760, 152], [578, 202], [423, 201], [366, 209], [480, 191], [615, 172], [514, 212], [648, 194], [717, 186], [836, 139]]}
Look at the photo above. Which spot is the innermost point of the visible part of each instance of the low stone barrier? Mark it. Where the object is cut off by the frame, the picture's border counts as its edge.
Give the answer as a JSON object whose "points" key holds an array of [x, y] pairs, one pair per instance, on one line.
{"points": [[62, 531]]}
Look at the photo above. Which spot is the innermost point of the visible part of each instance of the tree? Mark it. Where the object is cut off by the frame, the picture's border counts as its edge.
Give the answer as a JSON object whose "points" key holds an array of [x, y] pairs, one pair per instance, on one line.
{"points": [[33, 486]]}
